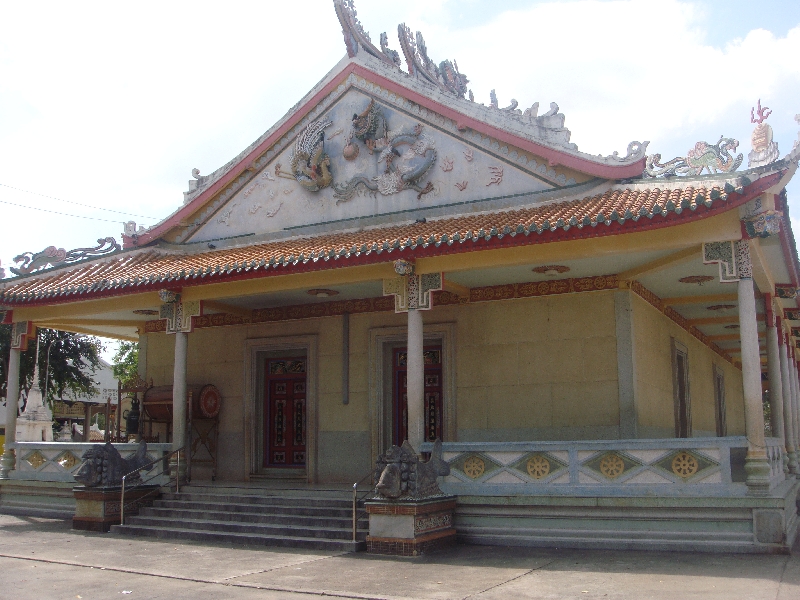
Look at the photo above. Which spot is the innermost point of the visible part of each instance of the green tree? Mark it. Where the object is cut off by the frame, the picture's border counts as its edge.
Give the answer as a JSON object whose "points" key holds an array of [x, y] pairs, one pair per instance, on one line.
{"points": [[126, 362], [67, 362]]}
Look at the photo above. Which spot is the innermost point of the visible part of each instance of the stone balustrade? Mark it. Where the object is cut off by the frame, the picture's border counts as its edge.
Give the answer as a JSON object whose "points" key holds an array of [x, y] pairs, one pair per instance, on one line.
{"points": [[60, 461], [637, 467]]}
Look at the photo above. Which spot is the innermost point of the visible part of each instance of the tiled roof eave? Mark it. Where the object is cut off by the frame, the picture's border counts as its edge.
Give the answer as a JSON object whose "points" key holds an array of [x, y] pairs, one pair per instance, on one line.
{"points": [[613, 218]]}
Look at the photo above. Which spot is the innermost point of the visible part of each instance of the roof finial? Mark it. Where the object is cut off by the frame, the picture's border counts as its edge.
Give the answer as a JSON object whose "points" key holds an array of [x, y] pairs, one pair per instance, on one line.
{"points": [[765, 150]]}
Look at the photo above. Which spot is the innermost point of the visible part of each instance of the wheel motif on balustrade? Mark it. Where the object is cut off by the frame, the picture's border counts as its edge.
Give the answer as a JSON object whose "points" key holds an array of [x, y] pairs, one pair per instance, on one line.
{"points": [[612, 466], [538, 466], [684, 465], [474, 467]]}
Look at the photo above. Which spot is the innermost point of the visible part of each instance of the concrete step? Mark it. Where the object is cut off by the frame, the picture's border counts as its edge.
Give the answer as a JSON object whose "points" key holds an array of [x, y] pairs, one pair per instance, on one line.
{"points": [[222, 514], [260, 529], [227, 537], [261, 500], [261, 509]]}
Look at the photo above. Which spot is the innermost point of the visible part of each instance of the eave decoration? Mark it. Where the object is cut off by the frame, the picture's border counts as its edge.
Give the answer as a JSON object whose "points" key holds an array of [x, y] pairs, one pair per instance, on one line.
{"points": [[732, 257], [764, 224], [29, 262], [704, 156]]}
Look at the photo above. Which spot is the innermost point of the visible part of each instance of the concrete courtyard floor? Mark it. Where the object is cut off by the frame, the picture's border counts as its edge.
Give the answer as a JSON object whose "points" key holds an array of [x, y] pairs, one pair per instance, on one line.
{"points": [[42, 559]]}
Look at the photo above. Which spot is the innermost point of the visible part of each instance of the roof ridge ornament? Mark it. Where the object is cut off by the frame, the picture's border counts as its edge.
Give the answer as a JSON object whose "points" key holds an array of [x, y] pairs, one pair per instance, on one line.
{"points": [[29, 262], [354, 35], [446, 75], [704, 156], [765, 150]]}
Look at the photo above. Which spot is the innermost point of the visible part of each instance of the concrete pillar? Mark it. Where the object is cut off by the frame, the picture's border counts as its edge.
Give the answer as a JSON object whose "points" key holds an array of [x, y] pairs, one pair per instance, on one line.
{"points": [[756, 464], [626, 365], [416, 379], [788, 424], [795, 409], [179, 391], [775, 386], [8, 462]]}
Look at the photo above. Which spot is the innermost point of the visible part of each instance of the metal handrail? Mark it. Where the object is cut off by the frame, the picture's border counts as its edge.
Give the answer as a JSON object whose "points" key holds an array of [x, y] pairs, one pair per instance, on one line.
{"points": [[355, 502], [165, 459]]}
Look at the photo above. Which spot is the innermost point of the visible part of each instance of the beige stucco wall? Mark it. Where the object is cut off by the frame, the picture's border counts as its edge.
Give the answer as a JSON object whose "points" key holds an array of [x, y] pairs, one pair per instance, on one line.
{"points": [[652, 333], [538, 368]]}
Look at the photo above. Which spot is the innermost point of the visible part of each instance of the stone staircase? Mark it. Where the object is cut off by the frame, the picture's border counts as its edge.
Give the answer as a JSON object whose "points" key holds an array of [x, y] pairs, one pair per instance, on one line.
{"points": [[296, 518]]}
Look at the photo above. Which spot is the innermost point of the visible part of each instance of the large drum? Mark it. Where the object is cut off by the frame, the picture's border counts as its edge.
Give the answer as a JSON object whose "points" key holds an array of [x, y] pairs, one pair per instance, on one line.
{"points": [[206, 402]]}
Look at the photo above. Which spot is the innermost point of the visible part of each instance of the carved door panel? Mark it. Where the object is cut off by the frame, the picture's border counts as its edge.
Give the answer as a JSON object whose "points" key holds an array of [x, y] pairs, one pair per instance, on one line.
{"points": [[285, 413], [432, 394]]}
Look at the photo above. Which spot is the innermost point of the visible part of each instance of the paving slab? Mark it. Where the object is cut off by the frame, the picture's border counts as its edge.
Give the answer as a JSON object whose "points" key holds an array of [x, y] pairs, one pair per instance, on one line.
{"points": [[448, 575], [44, 558]]}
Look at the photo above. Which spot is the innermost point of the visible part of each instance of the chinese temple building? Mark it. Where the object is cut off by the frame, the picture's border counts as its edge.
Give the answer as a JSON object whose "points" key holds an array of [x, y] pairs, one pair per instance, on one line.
{"points": [[593, 338]]}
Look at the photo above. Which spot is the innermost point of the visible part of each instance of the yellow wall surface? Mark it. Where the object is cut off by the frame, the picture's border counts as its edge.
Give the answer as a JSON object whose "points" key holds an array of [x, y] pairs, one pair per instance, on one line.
{"points": [[652, 345], [527, 369], [537, 368]]}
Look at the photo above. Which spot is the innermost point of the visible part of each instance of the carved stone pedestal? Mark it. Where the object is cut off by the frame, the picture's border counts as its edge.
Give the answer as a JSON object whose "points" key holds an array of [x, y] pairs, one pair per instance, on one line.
{"points": [[97, 508], [410, 528]]}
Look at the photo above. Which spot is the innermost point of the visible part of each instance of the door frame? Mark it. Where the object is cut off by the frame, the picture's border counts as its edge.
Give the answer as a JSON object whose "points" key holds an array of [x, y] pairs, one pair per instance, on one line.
{"points": [[256, 351], [381, 341]]}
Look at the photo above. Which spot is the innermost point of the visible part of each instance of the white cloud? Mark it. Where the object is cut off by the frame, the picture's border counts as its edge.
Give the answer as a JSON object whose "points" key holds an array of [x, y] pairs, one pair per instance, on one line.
{"points": [[113, 104]]}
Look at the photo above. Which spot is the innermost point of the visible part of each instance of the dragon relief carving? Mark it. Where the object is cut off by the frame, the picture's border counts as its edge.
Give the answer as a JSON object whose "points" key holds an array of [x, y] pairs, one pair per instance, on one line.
{"points": [[703, 156], [310, 165], [406, 157]]}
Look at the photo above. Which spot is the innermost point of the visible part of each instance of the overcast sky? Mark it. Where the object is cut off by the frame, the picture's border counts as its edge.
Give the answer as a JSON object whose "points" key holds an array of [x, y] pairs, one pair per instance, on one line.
{"points": [[112, 104]]}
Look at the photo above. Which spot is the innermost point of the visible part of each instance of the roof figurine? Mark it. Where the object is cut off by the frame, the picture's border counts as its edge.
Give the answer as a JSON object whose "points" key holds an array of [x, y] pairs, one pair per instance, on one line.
{"points": [[704, 156], [765, 150]]}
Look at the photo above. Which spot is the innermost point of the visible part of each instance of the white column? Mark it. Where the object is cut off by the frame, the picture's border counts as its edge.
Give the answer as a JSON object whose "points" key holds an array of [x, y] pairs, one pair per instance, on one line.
{"points": [[788, 424], [416, 380], [775, 385], [8, 462], [756, 464], [795, 405], [179, 391]]}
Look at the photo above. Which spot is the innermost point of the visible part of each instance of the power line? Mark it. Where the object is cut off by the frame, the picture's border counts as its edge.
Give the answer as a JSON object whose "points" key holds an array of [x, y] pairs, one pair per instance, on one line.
{"points": [[71, 202], [55, 212]]}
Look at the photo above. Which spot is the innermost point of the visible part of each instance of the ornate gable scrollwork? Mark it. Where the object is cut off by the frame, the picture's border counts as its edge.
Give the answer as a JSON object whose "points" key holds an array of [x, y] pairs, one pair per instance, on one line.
{"points": [[29, 262], [354, 35], [445, 76]]}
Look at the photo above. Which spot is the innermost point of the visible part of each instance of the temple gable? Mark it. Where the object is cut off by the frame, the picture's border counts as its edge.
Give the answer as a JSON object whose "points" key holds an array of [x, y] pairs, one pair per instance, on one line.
{"points": [[367, 156]]}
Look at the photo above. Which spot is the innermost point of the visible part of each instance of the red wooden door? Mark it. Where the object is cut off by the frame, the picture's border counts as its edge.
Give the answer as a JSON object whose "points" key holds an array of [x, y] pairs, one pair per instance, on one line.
{"points": [[432, 395], [285, 413]]}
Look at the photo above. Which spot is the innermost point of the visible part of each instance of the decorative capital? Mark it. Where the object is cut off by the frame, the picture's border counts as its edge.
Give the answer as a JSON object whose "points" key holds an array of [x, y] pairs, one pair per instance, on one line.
{"points": [[732, 257], [178, 314], [763, 224], [21, 332], [413, 292]]}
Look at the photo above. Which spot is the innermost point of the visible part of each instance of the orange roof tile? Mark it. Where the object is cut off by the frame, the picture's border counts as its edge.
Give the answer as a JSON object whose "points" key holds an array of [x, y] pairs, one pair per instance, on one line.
{"points": [[143, 269]]}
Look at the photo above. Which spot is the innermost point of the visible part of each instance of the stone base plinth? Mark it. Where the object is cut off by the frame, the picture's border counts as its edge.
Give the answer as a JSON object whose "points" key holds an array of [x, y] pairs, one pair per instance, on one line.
{"points": [[97, 509], [410, 528]]}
